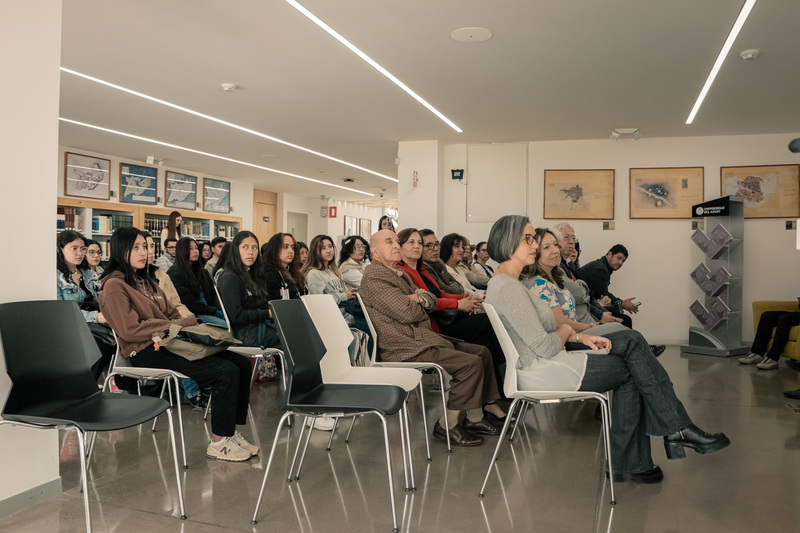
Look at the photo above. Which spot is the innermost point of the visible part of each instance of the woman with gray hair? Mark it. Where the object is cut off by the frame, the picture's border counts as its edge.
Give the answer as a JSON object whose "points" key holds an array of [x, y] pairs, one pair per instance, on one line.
{"points": [[644, 400]]}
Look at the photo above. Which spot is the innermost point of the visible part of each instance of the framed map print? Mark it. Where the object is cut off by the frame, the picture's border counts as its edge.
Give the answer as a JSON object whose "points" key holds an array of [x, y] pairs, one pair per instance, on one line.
{"points": [[665, 192], [579, 194], [771, 191], [181, 191], [137, 184], [216, 196], [87, 176]]}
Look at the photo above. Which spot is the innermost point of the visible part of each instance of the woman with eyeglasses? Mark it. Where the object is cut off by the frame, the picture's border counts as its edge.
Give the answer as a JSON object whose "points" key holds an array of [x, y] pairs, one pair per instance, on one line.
{"points": [[138, 311], [205, 252], [94, 254], [282, 275], [194, 285], [644, 400], [451, 253], [77, 282], [353, 259]]}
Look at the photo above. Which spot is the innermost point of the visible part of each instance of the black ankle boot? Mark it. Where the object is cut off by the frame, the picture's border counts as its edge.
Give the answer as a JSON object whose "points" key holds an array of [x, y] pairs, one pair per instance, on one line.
{"points": [[695, 438]]}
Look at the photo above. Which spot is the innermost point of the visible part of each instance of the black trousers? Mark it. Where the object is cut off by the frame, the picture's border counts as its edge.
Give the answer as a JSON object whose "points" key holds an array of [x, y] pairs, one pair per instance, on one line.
{"points": [[227, 373], [477, 329], [782, 321]]}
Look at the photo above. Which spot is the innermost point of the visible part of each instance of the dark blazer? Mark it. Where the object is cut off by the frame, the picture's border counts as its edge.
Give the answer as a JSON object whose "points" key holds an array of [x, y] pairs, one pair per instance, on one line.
{"points": [[597, 274], [190, 297], [444, 280]]}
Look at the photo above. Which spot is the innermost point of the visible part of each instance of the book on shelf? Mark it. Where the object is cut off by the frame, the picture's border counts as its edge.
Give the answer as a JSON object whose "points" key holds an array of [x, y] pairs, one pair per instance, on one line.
{"points": [[68, 218]]}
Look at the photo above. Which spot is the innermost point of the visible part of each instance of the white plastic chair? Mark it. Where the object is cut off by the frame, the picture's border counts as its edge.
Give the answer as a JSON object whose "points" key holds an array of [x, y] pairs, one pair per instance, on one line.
{"points": [[336, 366], [419, 365], [523, 398]]}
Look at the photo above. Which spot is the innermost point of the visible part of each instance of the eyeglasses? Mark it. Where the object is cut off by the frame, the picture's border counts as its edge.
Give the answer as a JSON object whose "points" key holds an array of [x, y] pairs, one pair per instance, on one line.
{"points": [[433, 245], [94, 252], [74, 249], [529, 239], [171, 247], [359, 247]]}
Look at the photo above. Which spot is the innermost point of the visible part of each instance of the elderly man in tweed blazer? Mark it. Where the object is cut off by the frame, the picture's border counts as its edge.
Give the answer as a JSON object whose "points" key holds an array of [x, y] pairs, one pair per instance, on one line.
{"points": [[398, 310]]}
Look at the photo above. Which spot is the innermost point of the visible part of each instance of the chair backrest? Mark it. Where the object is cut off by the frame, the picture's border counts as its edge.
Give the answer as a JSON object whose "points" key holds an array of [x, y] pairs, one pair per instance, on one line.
{"points": [[47, 347], [222, 306], [303, 348], [333, 330], [373, 356], [509, 350]]}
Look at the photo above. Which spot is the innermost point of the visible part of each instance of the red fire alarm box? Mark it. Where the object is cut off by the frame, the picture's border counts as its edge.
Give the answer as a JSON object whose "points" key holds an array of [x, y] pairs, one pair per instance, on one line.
{"points": [[332, 211]]}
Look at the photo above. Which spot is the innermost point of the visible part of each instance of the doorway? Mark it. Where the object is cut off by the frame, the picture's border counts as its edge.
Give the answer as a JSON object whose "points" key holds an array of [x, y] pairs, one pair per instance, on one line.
{"points": [[297, 225]]}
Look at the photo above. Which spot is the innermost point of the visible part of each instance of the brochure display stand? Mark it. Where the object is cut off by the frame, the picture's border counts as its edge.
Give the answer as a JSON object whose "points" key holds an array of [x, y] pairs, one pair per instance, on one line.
{"points": [[719, 277]]}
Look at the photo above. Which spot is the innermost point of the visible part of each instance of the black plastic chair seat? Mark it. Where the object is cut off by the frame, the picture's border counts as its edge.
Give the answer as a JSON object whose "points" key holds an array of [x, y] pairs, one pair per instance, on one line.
{"points": [[347, 399], [103, 411]]}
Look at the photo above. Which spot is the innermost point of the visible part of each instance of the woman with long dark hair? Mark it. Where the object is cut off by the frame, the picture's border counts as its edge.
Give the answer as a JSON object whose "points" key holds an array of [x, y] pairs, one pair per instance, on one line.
{"points": [[240, 281], [205, 252], [174, 229], [94, 255], [353, 259], [194, 285], [137, 309], [282, 268]]}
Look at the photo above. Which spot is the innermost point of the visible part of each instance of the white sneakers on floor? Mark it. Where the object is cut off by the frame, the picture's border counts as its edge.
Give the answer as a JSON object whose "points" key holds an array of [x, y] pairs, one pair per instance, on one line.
{"points": [[235, 448], [751, 359], [767, 364], [241, 441]]}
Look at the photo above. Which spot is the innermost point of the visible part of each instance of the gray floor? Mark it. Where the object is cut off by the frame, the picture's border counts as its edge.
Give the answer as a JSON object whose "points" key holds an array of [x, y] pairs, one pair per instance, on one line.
{"points": [[550, 479]]}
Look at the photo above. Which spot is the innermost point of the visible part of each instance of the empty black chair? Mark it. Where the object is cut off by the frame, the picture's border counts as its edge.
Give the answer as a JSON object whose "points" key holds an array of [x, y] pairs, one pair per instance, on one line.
{"points": [[48, 351], [307, 395]]}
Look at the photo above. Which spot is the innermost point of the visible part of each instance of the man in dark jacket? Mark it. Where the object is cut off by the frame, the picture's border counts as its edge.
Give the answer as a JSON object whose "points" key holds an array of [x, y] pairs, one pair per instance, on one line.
{"points": [[597, 275]]}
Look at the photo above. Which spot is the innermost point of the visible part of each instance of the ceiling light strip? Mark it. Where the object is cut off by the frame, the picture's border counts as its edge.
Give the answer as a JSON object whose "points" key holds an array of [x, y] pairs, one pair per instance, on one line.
{"points": [[333, 33], [223, 122], [748, 6], [215, 156]]}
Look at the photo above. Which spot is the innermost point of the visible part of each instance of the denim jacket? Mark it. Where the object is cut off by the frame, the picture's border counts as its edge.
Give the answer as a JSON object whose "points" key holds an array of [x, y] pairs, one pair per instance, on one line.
{"points": [[69, 290]]}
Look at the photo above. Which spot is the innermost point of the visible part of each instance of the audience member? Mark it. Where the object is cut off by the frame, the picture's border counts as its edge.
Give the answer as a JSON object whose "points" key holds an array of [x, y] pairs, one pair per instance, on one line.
{"points": [[398, 310], [76, 282], [194, 285], [217, 244], [302, 252], [782, 322], [477, 278], [167, 259], [282, 275], [163, 279], [597, 274], [481, 257], [174, 229], [205, 252], [353, 259], [644, 400], [138, 311], [452, 250], [387, 222], [94, 254], [431, 250]]}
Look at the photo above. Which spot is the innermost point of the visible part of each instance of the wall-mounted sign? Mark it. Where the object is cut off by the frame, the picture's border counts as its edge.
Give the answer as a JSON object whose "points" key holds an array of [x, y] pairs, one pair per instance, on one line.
{"points": [[266, 219], [323, 212]]}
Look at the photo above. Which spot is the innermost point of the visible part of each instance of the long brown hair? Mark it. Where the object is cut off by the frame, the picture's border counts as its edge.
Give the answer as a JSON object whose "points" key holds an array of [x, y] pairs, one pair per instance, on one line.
{"points": [[173, 230], [315, 261], [270, 253], [556, 275]]}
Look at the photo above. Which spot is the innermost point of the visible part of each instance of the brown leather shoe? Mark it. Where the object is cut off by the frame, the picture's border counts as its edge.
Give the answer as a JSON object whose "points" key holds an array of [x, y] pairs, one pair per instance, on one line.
{"points": [[483, 427], [458, 436]]}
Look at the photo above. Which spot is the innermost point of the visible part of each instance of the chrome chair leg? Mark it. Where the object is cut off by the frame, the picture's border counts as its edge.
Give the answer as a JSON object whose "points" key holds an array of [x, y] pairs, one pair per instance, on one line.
{"points": [[404, 413], [389, 470], [349, 431], [163, 388], [520, 420], [299, 442], [511, 410], [606, 416], [333, 431], [269, 463], [425, 421], [175, 459], [305, 449], [444, 404], [84, 476]]}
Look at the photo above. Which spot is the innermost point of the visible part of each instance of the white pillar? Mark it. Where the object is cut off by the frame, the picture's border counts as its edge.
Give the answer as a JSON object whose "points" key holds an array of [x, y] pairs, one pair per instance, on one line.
{"points": [[30, 38], [421, 206]]}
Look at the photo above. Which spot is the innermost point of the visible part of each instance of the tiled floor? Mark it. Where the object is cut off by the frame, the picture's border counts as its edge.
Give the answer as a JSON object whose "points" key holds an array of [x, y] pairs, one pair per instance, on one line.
{"points": [[550, 479]]}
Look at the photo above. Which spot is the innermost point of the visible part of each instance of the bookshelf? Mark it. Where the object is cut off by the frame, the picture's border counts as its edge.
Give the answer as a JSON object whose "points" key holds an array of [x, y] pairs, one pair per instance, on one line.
{"points": [[98, 219]]}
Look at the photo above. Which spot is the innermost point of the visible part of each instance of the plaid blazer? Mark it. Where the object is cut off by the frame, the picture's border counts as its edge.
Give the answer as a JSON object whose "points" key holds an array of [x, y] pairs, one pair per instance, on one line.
{"points": [[403, 327]]}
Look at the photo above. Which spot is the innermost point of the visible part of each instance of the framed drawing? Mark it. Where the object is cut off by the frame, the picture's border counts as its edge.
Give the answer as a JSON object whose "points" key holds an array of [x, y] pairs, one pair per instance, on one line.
{"points": [[181, 191], [771, 191], [579, 194], [216, 196], [137, 184], [365, 228], [87, 176], [665, 192], [350, 226]]}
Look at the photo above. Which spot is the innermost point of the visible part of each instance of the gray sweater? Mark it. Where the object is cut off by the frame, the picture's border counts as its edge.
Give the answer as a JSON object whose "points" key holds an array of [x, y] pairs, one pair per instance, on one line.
{"points": [[543, 363]]}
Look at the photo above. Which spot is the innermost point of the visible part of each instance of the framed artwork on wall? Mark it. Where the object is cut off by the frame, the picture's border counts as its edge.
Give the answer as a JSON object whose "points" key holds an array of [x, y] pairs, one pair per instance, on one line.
{"points": [[137, 184], [771, 191], [216, 196], [181, 191], [87, 176], [579, 194], [665, 192], [365, 228], [350, 226]]}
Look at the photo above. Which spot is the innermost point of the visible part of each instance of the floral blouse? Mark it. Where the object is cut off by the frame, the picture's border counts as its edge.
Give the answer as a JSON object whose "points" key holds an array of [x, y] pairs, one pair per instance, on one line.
{"points": [[553, 295]]}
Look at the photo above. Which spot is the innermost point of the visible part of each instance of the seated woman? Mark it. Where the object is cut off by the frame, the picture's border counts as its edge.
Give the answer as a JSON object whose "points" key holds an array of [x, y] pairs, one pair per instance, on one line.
{"points": [[75, 281], [205, 252], [644, 400], [451, 253], [302, 252], [137, 309], [194, 285], [546, 278], [241, 285], [481, 258], [782, 322], [94, 254], [473, 327], [323, 277], [282, 268], [353, 259]]}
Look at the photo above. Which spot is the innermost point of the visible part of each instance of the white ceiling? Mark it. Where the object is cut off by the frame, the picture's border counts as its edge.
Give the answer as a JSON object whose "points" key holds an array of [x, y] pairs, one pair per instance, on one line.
{"points": [[554, 70]]}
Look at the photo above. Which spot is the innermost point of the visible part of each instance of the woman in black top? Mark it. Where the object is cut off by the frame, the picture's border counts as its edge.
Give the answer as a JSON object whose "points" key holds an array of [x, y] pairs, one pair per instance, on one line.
{"points": [[194, 285], [282, 268]]}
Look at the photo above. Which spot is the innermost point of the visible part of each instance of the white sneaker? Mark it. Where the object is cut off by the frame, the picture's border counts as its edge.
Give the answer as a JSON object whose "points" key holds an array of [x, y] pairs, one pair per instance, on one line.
{"points": [[241, 441], [767, 364], [751, 359], [227, 449], [324, 423]]}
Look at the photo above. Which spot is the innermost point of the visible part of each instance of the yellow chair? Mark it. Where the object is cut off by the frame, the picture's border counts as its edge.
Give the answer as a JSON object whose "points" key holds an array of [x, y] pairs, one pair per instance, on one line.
{"points": [[792, 350]]}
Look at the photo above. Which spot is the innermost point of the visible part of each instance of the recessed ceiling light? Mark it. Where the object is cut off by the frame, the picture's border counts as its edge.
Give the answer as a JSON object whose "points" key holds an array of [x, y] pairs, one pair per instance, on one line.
{"points": [[228, 87], [471, 35]]}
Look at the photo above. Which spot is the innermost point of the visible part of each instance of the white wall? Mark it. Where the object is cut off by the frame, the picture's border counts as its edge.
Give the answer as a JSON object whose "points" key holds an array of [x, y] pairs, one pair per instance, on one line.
{"points": [[421, 206], [29, 137], [661, 253], [241, 191]]}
